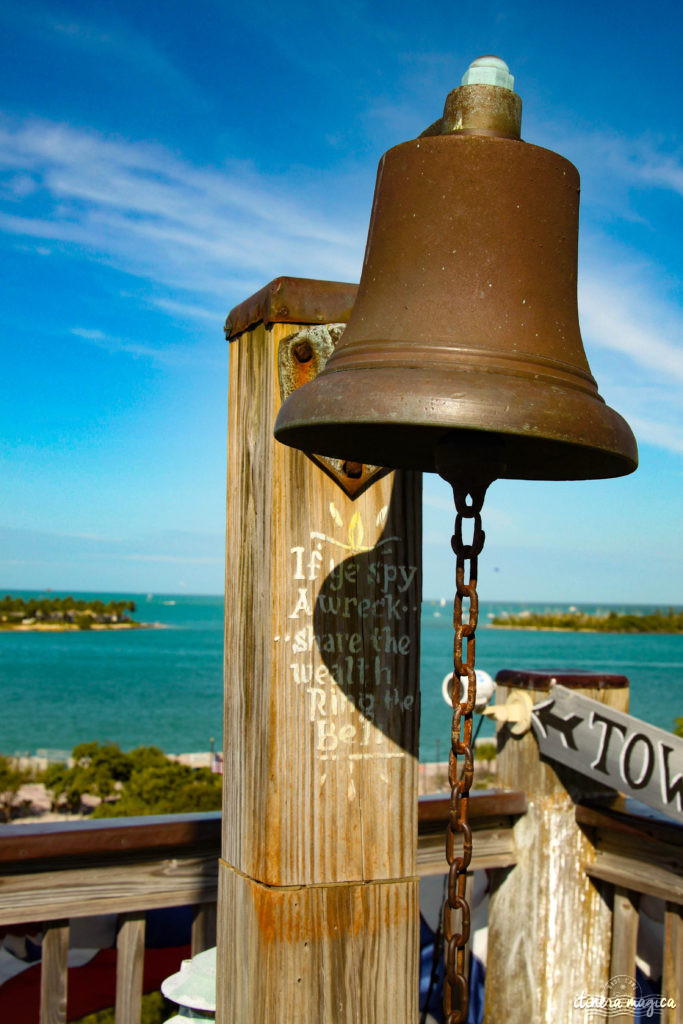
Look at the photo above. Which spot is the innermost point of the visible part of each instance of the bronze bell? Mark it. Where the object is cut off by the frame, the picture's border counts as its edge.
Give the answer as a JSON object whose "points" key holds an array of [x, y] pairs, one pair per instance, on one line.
{"points": [[465, 329]]}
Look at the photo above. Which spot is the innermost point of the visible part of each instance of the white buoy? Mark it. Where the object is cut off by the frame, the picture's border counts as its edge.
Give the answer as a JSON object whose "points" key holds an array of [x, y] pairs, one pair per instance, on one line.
{"points": [[486, 687]]}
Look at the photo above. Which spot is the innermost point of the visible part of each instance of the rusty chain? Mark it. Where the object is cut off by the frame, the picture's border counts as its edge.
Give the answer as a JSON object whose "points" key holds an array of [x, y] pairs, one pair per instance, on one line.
{"points": [[456, 993]]}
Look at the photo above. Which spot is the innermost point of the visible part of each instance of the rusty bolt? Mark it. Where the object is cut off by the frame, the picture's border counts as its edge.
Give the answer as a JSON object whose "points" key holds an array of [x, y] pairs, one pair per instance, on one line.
{"points": [[353, 469], [303, 351]]}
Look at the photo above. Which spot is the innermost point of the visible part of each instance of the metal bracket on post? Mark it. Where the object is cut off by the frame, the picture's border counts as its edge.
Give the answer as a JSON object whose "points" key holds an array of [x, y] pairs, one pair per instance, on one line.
{"points": [[516, 712], [301, 357]]}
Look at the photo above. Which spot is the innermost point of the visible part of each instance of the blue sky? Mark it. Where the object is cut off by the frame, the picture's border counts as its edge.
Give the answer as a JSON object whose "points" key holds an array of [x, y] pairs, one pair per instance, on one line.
{"points": [[160, 162]]}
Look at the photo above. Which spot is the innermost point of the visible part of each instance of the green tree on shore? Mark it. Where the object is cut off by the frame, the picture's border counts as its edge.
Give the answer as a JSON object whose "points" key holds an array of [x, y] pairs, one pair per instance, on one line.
{"points": [[96, 770], [142, 781], [11, 779], [659, 621], [66, 610]]}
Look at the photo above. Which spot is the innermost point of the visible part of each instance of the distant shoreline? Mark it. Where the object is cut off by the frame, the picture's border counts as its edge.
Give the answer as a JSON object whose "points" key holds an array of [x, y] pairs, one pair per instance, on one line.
{"points": [[574, 621], [549, 629], [65, 615], [71, 627]]}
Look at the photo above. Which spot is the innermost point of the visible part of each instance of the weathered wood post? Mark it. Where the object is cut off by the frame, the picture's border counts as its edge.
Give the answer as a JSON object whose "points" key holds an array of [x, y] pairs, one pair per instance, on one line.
{"points": [[672, 980], [318, 914], [550, 925]]}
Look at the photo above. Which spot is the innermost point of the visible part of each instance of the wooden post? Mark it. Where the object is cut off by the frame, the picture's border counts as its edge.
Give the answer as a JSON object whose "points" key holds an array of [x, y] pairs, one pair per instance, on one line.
{"points": [[550, 926], [672, 980], [624, 944], [53, 973], [318, 891], [130, 963], [203, 927]]}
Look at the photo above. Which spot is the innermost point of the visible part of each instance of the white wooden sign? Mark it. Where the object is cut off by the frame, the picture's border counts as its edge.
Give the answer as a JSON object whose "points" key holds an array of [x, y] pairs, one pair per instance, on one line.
{"points": [[611, 747]]}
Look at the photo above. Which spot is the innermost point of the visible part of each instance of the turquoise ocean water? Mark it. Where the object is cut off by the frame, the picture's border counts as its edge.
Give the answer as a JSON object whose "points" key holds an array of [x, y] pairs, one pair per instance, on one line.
{"points": [[164, 686]]}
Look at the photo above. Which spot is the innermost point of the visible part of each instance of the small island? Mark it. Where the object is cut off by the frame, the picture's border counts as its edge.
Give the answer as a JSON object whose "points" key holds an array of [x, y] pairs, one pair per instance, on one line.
{"points": [[576, 621], [62, 614]]}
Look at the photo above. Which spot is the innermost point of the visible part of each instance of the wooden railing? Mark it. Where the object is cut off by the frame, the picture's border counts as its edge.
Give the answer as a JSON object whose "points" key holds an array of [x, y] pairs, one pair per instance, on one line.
{"points": [[639, 852], [52, 872], [56, 872]]}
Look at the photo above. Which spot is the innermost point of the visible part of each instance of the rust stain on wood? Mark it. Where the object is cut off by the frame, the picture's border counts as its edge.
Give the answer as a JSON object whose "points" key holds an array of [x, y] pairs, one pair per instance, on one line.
{"points": [[331, 954], [291, 916]]}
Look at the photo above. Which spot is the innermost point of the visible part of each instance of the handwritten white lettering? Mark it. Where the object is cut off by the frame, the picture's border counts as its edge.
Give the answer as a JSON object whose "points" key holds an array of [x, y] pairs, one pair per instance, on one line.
{"points": [[348, 651]]}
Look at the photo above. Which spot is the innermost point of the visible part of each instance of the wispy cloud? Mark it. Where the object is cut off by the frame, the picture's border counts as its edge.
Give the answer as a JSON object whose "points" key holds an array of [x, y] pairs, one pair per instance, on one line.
{"points": [[617, 171], [661, 433], [180, 559], [638, 161], [627, 319], [202, 236], [88, 335], [211, 314], [172, 355], [153, 215], [633, 333], [631, 319]]}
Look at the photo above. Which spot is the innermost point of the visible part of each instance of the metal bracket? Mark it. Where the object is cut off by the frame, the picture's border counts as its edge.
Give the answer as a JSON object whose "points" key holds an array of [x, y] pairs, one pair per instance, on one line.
{"points": [[301, 357], [516, 711]]}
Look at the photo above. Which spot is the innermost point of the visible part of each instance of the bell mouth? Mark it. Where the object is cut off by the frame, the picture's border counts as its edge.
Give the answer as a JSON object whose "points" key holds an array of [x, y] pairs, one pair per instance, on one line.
{"points": [[542, 431]]}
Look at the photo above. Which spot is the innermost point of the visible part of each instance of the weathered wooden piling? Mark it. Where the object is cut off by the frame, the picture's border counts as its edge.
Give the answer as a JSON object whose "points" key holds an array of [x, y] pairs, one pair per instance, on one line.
{"points": [[550, 924], [318, 914]]}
